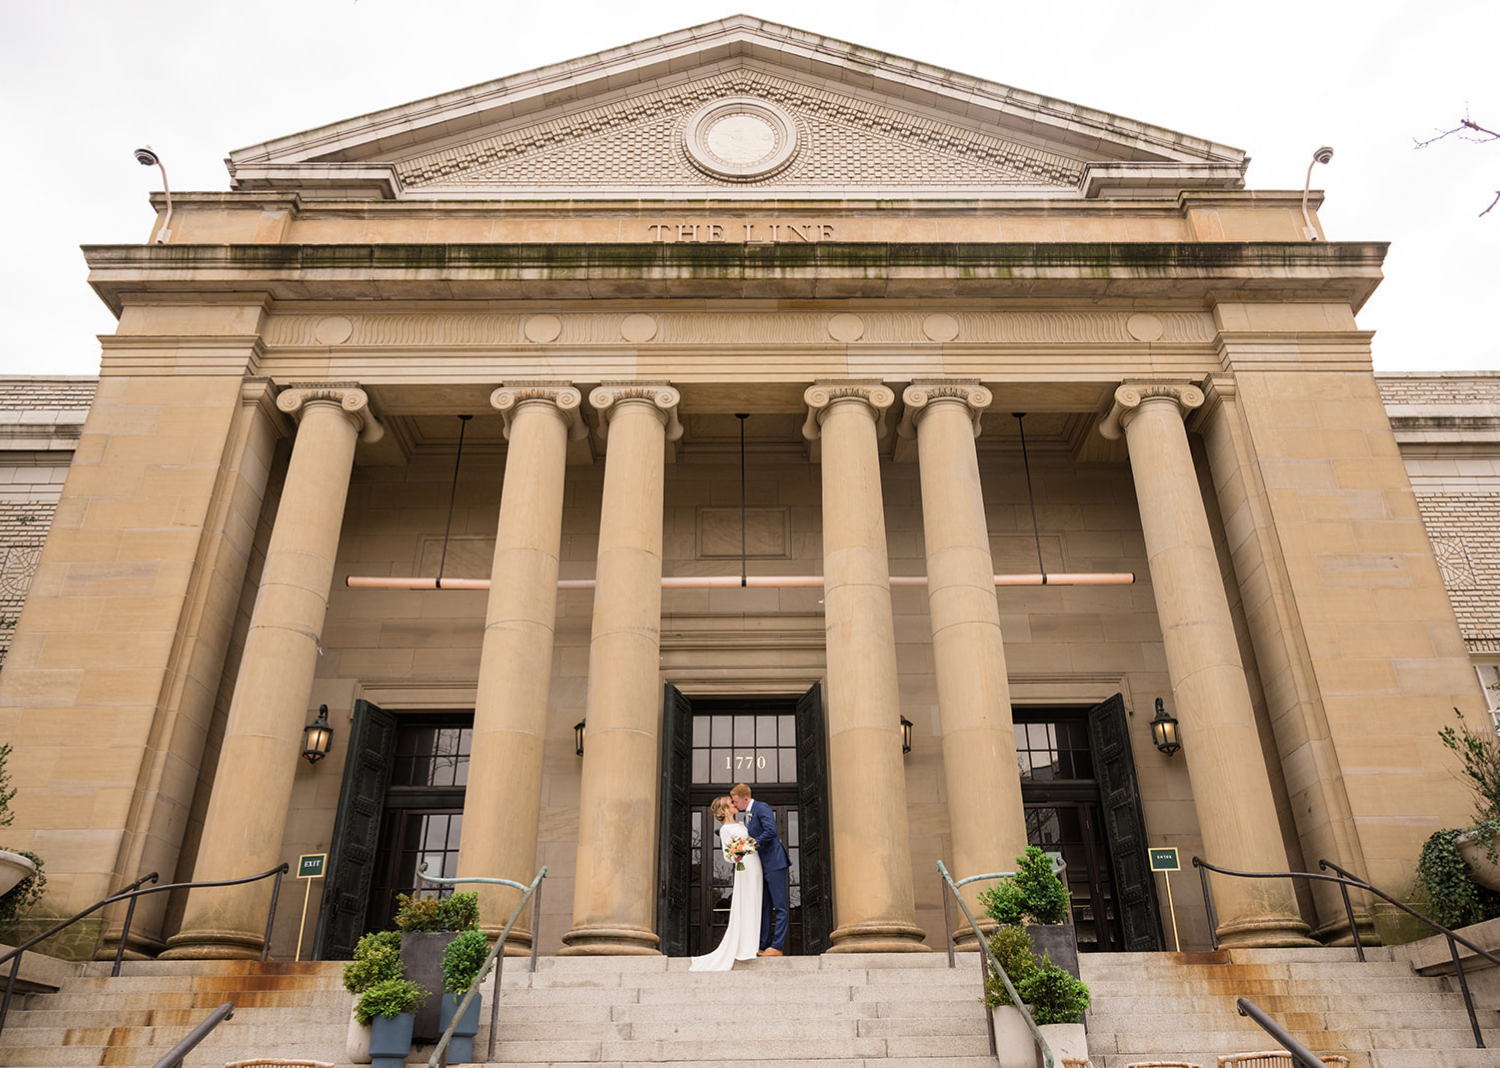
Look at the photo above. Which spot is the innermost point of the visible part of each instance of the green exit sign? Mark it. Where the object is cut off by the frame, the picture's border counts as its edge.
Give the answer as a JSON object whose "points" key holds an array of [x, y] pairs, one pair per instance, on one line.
{"points": [[1165, 859], [311, 865]]}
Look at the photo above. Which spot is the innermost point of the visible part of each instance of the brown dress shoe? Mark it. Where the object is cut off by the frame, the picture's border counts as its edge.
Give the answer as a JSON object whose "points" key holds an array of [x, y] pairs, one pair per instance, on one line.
{"points": [[769, 953]]}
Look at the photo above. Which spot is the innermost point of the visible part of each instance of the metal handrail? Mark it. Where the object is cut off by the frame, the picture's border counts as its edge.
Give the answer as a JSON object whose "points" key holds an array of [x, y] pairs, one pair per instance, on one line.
{"points": [[198, 1034], [948, 908], [496, 958], [1346, 879], [130, 894], [1048, 1061], [1300, 1053]]}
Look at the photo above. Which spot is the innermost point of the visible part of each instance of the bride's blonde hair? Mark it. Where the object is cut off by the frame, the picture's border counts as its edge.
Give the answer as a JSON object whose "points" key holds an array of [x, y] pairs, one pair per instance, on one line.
{"points": [[721, 807]]}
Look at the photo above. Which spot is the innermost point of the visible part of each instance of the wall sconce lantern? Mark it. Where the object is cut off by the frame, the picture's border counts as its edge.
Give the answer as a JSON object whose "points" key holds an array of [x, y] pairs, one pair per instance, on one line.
{"points": [[905, 736], [317, 736], [578, 734], [1164, 731]]}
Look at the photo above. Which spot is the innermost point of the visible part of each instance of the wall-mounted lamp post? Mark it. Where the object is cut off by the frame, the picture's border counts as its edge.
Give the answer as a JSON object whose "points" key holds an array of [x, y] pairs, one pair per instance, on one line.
{"points": [[317, 736], [578, 734], [1164, 731], [147, 157], [905, 736]]}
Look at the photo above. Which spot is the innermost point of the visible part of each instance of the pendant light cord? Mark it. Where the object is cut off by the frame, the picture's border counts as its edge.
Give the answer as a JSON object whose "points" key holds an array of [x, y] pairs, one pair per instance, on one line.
{"points": [[1030, 498], [452, 495], [744, 574]]}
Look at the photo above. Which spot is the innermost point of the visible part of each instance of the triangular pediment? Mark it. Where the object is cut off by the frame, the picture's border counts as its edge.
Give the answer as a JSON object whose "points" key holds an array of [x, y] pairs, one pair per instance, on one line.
{"points": [[737, 109]]}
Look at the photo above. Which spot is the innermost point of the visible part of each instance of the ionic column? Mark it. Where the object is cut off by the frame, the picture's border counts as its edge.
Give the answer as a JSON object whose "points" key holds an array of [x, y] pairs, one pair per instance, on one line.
{"points": [[985, 813], [263, 738], [614, 892], [1231, 790], [867, 783], [503, 800]]}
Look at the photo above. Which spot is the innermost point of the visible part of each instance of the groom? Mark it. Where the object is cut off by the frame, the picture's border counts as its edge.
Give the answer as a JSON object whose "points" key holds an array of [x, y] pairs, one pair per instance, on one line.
{"points": [[760, 821]]}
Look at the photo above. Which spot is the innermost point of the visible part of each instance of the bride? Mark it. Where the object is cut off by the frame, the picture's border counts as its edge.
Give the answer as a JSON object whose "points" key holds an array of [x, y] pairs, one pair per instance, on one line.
{"points": [[742, 938]]}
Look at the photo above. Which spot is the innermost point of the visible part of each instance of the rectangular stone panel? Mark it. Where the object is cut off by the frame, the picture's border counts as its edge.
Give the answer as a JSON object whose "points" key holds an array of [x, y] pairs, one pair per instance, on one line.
{"points": [[767, 533]]}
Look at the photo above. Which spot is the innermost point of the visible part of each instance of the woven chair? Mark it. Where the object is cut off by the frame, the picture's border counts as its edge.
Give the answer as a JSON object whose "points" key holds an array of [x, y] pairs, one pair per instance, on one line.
{"points": [[1162, 1064], [1276, 1058], [272, 1062]]}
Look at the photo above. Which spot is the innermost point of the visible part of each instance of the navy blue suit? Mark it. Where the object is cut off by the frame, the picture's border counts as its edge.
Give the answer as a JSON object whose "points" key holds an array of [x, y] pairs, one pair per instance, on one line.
{"points": [[760, 821]]}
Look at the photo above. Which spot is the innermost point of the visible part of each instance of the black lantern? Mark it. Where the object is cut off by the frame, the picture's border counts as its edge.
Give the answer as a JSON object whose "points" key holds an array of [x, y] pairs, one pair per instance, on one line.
{"points": [[1164, 731], [905, 736], [578, 734], [317, 737]]}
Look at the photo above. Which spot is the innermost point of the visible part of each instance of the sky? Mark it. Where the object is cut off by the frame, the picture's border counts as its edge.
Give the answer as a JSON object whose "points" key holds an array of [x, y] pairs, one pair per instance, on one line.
{"points": [[83, 83]]}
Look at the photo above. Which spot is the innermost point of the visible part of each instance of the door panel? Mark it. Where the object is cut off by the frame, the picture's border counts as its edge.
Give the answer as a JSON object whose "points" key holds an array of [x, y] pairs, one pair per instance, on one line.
{"points": [[679, 835], [1124, 827], [356, 832]]}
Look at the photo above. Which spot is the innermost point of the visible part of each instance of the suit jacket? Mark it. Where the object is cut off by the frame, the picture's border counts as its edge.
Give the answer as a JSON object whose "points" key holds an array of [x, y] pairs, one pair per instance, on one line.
{"points": [[760, 821]]}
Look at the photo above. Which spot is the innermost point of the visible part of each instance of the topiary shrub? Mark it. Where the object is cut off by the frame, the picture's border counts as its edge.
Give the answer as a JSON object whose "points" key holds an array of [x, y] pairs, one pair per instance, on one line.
{"points": [[389, 997], [377, 957], [462, 960], [1012, 948], [460, 912], [1054, 996], [415, 915], [1034, 894]]}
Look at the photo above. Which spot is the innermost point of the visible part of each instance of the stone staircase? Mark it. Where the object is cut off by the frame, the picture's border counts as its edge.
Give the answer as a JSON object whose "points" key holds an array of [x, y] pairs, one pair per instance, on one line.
{"points": [[844, 1011], [1181, 1006]]}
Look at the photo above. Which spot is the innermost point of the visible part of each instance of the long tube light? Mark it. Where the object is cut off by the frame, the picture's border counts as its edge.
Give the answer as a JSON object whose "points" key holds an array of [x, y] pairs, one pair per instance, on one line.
{"points": [[707, 582]]}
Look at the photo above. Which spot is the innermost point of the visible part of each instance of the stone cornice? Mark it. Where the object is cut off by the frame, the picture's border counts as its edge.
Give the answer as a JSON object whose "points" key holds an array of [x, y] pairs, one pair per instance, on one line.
{"points": [[1183, 272], [1130, 396], [820, 398], [607, 398], [353, 401], [921, 395], [561, 395]]}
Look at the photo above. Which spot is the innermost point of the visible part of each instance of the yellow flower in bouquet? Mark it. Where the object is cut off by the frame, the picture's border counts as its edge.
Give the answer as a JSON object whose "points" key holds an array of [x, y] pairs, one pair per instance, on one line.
{"points": [[737, 849]]}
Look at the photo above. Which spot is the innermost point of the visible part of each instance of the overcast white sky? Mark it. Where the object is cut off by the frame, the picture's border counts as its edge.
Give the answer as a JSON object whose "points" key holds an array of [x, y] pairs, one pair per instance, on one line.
{"points": [[83, 82]]}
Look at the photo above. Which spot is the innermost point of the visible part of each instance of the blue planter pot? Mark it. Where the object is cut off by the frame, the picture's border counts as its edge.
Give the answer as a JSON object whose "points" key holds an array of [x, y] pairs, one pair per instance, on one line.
{"points": [[461, 1047], [390, 1040]]}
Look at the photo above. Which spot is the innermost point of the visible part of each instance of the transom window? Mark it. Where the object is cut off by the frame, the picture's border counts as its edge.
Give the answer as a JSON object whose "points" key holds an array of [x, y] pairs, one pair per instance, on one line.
{"points": [[739, 748], [1055, 750]]}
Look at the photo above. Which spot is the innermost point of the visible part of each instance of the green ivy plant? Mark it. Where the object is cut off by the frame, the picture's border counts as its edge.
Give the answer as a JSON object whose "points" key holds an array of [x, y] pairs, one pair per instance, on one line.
{"points": [[1453, 898], [377, 957], [389, 997], [19, 899], [462, 960]]}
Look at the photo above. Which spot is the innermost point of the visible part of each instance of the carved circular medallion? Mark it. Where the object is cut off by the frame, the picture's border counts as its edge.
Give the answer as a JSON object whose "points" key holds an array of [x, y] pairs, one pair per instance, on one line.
{"points": [[1143, 326], [940, 327], [638, 329], [541, 329], [740, 138], [333, 330], [846, 328]]}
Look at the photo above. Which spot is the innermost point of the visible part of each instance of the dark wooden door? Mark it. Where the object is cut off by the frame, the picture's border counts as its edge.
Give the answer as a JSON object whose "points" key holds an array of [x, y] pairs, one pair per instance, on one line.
{"points": [[356, 832], [1124, 827]]}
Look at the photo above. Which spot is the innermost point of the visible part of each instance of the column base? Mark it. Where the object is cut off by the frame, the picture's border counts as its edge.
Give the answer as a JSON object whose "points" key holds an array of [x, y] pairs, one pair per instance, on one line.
{"points": [[1336, 932], [518, 944], [1267, 932], [609, 940], [213, 945], [880, 938]]}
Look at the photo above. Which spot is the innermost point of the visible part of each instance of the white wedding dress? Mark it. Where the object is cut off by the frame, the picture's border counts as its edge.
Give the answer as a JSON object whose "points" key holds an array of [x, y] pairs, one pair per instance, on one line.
{"points": [[742, 939]]}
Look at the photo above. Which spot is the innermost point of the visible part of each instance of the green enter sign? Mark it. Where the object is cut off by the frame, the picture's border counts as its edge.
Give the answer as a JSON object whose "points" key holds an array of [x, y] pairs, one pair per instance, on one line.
{"points": [[1165, 859], [311, 865]]}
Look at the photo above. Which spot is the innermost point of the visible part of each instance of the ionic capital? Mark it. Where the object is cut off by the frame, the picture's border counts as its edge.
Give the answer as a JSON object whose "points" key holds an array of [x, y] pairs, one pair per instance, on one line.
{"points": [[352, 401], [920, 397], [1130, 397], [561, 395], [608, 398], [820, 398]]}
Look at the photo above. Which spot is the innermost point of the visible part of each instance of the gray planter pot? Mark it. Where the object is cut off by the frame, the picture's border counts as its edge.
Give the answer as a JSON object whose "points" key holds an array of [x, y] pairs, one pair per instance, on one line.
{"points": [[1056, 940], [390, 1040], [422, 954], [461, 1047]]}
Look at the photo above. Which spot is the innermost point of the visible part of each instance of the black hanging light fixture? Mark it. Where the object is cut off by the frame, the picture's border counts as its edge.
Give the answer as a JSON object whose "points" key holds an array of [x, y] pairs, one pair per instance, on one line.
{"points": [[317, 736], [1164, 731]]}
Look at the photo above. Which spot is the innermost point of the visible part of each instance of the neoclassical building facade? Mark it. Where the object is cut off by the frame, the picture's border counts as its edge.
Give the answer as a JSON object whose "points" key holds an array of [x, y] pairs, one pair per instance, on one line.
{"points": [[737, 405]]}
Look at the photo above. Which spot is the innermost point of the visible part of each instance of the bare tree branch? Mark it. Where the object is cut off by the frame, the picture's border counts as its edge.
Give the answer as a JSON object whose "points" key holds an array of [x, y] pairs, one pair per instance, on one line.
{"points": [[1491, 208], [1467, 130]]}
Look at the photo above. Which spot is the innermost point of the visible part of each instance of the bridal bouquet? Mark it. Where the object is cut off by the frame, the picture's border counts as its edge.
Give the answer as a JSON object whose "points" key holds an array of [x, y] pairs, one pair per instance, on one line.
{"points": [[737, 849]]}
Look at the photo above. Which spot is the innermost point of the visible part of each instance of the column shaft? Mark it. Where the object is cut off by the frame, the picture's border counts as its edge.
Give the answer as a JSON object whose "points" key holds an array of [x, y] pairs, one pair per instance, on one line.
{"points": [[614, 892], [503, 799], [985, 813], [263, 738], [873, 892], [1231, 789]]}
